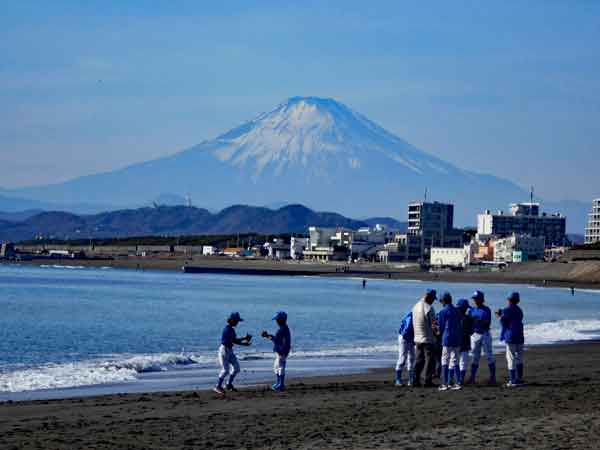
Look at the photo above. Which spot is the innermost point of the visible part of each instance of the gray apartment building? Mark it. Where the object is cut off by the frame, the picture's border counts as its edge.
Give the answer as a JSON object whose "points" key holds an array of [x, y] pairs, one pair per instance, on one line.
{"points": [[433, 223], [524, 218]]}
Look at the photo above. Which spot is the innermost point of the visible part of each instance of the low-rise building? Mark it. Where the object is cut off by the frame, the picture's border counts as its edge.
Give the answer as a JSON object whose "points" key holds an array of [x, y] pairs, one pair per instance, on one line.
{"points": [[449, 257], [208, 250], [519, 248], [298, 246], [233, 251]]}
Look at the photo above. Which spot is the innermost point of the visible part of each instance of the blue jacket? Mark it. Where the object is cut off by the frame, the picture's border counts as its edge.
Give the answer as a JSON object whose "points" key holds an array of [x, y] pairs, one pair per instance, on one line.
{"points": [[228, 337], [450, 324], [406, 329], [282, 341], [512, 325], [482, 318]]}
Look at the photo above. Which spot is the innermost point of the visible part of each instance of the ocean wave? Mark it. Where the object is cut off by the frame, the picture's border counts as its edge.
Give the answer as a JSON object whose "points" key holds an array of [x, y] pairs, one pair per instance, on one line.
{"points": [[89, 373], [59, 266], [562, 331]]}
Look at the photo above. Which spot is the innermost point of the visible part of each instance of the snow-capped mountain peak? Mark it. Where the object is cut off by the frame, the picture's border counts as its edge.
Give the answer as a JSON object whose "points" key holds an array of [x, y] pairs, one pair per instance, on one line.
{"points": [[317, 133]]}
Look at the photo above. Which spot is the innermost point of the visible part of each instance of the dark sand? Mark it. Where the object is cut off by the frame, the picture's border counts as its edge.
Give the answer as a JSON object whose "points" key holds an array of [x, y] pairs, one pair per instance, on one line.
{"points": [[558, 409]]}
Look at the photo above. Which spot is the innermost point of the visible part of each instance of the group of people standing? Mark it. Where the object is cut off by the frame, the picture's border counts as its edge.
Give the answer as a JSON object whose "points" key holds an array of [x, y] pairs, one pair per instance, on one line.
{"points": [[430, 344], [441, 344]]}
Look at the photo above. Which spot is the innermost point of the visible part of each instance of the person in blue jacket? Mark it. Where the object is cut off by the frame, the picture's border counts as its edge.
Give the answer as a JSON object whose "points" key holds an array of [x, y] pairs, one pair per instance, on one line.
{"points": [[482, 337], [511, 319], [450, 328], [227, 359], [468, 329], [282, 344], [406, 350]]}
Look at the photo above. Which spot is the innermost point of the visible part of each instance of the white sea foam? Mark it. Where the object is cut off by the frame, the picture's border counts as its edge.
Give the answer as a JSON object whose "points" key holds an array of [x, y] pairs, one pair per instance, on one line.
{"points": [[59, 266], [88, 373], [561, 331]]}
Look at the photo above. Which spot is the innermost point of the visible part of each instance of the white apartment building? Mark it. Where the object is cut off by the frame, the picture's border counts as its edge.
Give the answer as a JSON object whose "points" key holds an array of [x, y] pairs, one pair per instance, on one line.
{"points": [[518, 248], [524, 218], [592, 232]]}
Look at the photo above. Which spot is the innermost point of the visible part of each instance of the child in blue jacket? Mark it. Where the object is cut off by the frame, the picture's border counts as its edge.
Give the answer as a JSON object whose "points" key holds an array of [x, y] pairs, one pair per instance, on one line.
{"points": [[450, 327], [406, 350], [282, 344], [511, 319]]}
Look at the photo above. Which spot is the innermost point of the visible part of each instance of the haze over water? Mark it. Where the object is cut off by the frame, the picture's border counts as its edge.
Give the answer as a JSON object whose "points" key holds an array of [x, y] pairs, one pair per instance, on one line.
{"points": [[80, 331]]}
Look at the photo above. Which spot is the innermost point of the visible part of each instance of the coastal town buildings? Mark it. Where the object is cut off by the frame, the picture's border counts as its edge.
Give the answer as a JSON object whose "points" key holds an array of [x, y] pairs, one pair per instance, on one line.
{"points": [[524, 219], [298, 245], [433, 223], [519, 248], [592, 232]]}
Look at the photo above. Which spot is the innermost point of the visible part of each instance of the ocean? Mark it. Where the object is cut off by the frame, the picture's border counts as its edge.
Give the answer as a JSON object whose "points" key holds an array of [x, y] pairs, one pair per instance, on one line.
{"points": [[76, 331]]}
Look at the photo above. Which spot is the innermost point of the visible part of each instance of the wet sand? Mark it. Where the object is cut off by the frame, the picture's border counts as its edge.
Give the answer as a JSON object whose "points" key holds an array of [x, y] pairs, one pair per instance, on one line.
{"points": [[558, 409]]}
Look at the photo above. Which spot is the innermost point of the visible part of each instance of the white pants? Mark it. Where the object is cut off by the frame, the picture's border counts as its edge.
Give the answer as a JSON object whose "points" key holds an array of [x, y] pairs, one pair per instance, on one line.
{"points": [[228, 362], [450, 356], [464, 360], [406, 354], [279, 364], [514, 355], [479, 341]]}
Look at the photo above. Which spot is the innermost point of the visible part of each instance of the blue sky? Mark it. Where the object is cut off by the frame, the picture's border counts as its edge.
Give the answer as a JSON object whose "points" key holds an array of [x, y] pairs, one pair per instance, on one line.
{"points": [[509, 88]]}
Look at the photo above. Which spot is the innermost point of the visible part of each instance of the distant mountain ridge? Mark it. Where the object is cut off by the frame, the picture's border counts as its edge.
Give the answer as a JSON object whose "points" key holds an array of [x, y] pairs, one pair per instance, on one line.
{"points": [[173, 221], [308, 150]]}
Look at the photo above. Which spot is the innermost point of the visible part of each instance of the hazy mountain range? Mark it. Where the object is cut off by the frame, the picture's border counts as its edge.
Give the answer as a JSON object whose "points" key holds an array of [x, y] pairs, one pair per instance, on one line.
{"points": [[307, 150], [179, 220]]}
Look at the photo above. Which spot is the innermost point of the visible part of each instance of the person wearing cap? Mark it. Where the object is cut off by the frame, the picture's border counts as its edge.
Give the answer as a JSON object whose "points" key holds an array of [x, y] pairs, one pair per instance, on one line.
{"points": [[468, 329], [482, 337], [406, 350], [511, 319], [227, 359], [282, 344], [423, 316], [450, 328]]}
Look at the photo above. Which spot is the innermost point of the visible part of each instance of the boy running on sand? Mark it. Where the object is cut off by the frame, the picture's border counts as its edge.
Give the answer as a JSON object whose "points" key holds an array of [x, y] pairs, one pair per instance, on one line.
{"points": [[511, 319], [406, 350], [227, 359], [450, 327], [282, 344]]}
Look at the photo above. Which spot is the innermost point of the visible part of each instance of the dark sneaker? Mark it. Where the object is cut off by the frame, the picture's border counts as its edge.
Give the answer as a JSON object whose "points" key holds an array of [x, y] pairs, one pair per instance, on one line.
{"points": [[231, 387], [430, 385]]}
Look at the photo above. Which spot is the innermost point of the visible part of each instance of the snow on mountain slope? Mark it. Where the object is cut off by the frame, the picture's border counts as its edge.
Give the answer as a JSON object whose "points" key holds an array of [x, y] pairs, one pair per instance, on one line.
{"points": [[304, 131]]}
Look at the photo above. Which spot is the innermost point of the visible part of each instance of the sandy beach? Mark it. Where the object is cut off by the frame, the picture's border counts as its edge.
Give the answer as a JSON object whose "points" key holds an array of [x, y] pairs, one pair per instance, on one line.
{"points": [[557, 409], [581, 275]]}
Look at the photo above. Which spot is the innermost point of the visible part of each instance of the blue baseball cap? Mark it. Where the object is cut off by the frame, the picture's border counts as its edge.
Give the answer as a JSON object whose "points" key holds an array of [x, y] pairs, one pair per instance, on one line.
{"points": [[463, 303], [431, 293], [446, 297], [514, 297], [235, 316], [280, 315], [478, 295]]}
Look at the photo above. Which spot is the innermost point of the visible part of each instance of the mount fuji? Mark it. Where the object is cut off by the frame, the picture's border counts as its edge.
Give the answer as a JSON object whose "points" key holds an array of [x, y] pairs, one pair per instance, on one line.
{"points": [[309, 150]]}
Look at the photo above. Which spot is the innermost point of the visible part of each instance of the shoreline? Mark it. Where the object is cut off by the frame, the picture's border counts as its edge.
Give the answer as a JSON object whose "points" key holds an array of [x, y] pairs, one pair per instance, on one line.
{"points": [[576, 275], [557, 409]]}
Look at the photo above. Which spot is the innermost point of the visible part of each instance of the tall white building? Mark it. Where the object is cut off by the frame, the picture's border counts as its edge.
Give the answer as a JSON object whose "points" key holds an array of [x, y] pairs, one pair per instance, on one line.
{"points": [[592, 232]]}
